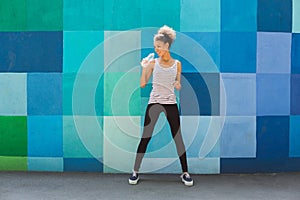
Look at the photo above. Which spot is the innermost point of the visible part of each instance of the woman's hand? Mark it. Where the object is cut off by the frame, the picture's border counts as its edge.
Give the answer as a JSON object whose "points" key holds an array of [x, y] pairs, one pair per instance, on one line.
{"points": [[177, 85]]}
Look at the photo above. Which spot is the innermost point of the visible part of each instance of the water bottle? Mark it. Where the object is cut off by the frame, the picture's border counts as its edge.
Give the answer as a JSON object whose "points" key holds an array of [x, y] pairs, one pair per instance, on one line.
{"points": [[148, 59]]}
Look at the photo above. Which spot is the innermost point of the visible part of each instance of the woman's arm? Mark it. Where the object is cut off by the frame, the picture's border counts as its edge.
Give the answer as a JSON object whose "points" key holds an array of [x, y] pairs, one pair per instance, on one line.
{"points": [[146, 74], [177, 83]]}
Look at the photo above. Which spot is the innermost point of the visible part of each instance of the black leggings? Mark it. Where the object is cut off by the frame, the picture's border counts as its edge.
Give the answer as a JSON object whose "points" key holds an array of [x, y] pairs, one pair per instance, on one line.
{"points": [[152, 113]]}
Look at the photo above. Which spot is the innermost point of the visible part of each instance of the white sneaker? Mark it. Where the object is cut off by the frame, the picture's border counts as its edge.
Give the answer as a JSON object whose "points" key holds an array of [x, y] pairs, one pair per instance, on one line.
{"points": [[186, 179]]}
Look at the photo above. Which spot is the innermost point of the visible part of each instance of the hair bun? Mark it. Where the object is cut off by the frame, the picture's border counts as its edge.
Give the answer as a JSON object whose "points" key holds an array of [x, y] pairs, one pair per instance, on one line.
{"points": [[166, 30]]}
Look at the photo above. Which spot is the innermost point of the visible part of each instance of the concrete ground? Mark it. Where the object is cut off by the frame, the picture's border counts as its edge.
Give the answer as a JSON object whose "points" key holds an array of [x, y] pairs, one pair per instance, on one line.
{"points": [[92, 186]]}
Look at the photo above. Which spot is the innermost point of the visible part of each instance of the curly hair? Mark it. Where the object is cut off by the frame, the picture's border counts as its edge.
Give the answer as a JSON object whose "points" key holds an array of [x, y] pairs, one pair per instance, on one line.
{"points": [[165, 34]]}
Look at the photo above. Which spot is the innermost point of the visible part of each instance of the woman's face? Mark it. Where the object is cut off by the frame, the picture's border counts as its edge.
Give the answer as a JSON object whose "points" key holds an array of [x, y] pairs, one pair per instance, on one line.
{"points": [[160, 47]]}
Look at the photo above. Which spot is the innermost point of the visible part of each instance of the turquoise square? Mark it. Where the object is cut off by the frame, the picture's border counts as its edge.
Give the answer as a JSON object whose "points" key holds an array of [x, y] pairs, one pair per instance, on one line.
{"points": [[156, 13], [122, 94], [294, 150], [78, 46], [83, 15], [237, 15], [200, 16], [45, 164], [82, 137], [122, 15], [83, 94]]}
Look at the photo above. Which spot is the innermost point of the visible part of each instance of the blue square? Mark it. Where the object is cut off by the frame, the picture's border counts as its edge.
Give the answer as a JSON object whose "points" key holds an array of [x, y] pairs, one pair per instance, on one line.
{"points": [[45, 164], [240, 94], [200, 15], [209, 43], [238, 137], [272, 137], [295, 94], [200, 94], [274, 52], [31, 51], [238, 52], [202, 136], [44, 94], [294, 136], [13, 94], [272, 94], [296, 53], [83, 165], [238, 15], [274, 16], [45, 137]]}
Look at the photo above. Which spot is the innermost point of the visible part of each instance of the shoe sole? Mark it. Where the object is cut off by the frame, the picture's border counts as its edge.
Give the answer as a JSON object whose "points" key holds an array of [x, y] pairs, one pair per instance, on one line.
{"points": [[131, 182], [187, 183]]}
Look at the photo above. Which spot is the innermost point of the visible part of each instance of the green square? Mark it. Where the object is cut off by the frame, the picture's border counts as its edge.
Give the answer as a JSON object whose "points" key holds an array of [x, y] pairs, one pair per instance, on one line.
{"points": [[13, 163], [156, 13], [122, 94], [200, 16], [13, 136], [44, 15], [83, 15], [13, 15], [122, 15]]}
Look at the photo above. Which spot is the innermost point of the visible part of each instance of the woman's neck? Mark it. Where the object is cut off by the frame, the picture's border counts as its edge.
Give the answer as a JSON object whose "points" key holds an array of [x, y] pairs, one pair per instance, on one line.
{"points": [[166, 57]]}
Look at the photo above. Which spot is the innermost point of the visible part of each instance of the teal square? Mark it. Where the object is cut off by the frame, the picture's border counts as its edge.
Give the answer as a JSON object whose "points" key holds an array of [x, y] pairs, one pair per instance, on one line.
{"points": [[45, 15], [82, 94], [296, 16], [122, 51], [82, 137], [200, 16], [237, 15], [78, 46], [122, 15], [83, 15], [122, 94], [156, 13]]}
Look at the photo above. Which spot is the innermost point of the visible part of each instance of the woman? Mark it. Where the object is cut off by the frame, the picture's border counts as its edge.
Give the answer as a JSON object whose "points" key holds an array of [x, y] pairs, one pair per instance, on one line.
{"points": [[166, 76]]}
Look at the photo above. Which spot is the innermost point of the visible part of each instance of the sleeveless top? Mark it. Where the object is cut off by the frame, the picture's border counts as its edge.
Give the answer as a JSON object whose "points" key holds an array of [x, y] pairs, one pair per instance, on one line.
{"points": [[163, 84]]}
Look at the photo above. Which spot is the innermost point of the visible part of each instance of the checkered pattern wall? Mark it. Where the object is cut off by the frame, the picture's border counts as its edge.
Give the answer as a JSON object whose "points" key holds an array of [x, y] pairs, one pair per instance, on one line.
{"points": [[69, 85]]}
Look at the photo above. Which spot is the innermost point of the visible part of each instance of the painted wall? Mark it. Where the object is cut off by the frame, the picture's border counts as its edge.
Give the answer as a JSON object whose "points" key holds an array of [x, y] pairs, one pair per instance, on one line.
{"points": [[69, 85]]}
